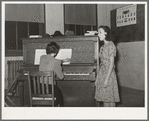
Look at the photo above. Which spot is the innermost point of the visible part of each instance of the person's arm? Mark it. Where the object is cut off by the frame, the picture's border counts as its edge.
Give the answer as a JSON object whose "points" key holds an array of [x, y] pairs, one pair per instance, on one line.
{"points": [[112, 54], [109, 71], [58, 70]]}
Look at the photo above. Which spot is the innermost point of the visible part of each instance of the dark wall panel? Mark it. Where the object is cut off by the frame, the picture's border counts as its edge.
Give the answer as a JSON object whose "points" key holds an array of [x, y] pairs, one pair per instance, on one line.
{"points": [[129, 33], [22, 33], [80, 14], [33, 29]]}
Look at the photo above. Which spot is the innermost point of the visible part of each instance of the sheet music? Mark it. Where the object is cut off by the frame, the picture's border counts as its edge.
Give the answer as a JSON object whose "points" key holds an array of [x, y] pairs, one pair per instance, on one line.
{"points": [[63, 54], [38, 54]]}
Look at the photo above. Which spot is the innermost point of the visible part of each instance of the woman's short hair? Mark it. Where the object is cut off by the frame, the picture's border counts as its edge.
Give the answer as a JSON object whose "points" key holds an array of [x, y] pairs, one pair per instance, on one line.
{"points": [[108, 31], [52, 47]]}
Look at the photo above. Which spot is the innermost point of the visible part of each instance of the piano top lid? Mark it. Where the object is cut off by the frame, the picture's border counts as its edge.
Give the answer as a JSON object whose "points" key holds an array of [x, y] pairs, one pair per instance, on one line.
{"points": [[60, 38]]}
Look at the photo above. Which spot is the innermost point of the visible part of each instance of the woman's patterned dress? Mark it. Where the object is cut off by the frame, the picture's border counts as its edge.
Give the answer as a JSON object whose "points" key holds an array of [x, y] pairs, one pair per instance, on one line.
{"points": [[109, 93]]}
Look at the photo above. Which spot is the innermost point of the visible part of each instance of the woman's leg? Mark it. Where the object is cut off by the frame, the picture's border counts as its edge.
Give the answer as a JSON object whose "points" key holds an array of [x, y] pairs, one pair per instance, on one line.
{"points": [[106, 104], [112, 104], [109, 104], [98, 104], [58, 95]]}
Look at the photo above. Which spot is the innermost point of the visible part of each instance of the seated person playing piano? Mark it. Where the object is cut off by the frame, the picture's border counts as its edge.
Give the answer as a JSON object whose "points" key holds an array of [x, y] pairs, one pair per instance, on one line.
{"points": [[49, 62]]}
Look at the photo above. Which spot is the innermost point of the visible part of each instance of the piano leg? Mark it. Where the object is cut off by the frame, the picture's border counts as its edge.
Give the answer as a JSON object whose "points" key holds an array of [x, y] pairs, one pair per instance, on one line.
{"points": [[24, 93], [92, 83]]}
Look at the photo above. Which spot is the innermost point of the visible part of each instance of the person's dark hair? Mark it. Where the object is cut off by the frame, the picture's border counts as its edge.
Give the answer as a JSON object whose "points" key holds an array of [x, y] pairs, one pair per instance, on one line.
{"points": [[52, 47], [108, 31]]}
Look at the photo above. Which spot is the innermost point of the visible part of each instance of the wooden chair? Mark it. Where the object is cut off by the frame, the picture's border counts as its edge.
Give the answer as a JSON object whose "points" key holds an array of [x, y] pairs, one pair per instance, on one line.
{"points": [[9, 94], [39, 88]]}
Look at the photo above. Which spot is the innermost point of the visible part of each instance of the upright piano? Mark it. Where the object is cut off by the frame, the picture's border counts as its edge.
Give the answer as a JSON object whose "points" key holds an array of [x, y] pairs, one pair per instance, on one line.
{"points": [[80, 74]]}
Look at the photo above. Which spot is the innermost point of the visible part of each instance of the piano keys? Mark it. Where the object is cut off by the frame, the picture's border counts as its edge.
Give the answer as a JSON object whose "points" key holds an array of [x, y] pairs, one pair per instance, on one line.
{"points": [[76, 73]]}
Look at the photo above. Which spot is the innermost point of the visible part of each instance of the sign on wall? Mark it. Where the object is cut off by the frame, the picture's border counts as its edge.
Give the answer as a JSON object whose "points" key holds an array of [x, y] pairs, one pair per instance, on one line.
{"points": [[126, 15]]}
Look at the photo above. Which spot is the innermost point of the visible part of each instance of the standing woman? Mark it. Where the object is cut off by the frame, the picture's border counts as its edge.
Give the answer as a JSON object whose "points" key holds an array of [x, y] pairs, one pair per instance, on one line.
{"points": [[106, 83]]}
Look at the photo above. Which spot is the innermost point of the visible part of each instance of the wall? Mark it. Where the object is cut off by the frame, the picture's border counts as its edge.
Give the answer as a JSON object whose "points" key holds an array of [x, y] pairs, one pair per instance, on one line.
{"points": [[131, 60], [54, 14], [130, 64], [103, 13]]}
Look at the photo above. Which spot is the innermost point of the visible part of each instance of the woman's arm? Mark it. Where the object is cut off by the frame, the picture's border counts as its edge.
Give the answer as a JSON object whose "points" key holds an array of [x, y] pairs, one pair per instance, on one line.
{"points": [[58, 70], [109, 71]]}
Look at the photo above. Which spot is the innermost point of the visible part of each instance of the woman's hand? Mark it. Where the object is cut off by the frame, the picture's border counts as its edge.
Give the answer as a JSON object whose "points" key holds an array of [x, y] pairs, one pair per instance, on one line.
{"points": [[66, 60]]}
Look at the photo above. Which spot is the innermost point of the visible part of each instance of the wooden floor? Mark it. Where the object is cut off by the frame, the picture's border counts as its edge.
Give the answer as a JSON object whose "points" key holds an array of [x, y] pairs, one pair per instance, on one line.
{"points": [[129, 98]]}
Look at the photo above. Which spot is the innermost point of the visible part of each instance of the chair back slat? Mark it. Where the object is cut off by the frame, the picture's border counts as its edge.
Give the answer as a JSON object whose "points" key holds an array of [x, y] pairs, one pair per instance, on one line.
{"points": [[53, 80], [39, 87], [29, 83], [34, 85], [47, 85], [42, 80]]}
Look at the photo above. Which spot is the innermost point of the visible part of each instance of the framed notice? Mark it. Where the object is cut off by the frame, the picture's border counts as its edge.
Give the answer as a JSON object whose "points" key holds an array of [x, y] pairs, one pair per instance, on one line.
{"points": [[126, 15]]}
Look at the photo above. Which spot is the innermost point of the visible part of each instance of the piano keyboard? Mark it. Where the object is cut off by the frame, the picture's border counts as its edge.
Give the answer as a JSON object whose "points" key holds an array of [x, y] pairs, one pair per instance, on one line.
{"points": [[69, 73], [76, 73]]}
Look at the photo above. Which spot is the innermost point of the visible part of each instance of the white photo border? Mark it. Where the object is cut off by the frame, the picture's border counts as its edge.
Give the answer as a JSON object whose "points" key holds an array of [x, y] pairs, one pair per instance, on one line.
{"points": [[93, 113]]}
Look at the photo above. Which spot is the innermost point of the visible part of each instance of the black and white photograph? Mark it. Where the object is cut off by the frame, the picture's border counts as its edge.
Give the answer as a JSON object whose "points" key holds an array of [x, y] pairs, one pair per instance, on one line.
{"points": [[74, 60]]}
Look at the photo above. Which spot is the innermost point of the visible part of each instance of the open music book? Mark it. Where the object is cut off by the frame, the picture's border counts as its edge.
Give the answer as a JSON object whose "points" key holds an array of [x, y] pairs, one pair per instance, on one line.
{"points": [[63, 54]]}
